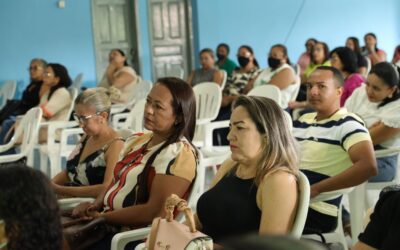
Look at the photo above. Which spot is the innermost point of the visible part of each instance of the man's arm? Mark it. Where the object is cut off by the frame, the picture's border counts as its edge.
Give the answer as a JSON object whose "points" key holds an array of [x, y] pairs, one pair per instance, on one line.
{"points": [[364, 166]]}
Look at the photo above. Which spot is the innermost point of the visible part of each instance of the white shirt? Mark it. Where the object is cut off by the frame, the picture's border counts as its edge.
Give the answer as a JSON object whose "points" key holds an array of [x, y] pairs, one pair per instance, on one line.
{"points": [[389, 114]]}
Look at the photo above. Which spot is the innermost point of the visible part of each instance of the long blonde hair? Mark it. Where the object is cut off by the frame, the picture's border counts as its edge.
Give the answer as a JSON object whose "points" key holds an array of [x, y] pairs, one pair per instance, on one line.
{"points": [[280, 148]]}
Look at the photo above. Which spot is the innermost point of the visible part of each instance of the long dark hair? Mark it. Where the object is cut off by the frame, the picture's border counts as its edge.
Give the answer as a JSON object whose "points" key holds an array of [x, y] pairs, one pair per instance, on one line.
{"points": [[184, 105], [326, 52], [247, 47], [61, 72], [356, 43], [374, 36], [348, 59], [29, 209], [389, 74]]}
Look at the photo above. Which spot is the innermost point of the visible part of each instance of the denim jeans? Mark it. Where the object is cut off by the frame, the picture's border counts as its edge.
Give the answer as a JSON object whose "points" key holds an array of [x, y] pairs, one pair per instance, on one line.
{"points": [[387, 167]]}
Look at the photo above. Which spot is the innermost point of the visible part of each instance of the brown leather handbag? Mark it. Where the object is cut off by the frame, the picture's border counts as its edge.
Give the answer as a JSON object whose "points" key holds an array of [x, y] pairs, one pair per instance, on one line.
{"points": [[172, 235], [81, 233]]}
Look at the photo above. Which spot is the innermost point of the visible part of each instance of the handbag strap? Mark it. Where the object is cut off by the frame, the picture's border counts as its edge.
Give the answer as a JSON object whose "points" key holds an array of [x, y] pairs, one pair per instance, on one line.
{"points": [[174, 201]]}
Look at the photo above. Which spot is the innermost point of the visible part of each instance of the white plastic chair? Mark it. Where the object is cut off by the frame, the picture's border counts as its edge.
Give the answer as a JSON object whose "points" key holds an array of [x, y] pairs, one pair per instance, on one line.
{"points": [[7, 91], [120, 240], [132, 120], [28, 129], [369, 66], [208, 102], [268, 90], [302, 207], [50, 150], [337, 235], [225, 77], [77, 83], [141, 92]]}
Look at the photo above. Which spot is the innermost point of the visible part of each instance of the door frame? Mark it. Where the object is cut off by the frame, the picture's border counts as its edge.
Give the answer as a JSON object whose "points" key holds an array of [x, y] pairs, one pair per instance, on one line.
{"points": [[135, 18], [189, 34]]}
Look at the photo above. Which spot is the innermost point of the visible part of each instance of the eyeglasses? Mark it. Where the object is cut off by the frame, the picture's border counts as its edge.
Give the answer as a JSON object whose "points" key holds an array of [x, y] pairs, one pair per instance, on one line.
{"points": [[84, 118]]}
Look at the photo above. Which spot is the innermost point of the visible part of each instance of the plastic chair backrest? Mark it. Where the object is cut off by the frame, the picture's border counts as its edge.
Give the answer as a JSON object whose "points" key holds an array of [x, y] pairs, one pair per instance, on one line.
{"points": [[225, 77], [302, 207], [28, 129], [208, 100], [135, 119], [268, 90], [74, 93], [143, 89], [7, 91], [77, 83], [369, 66]]}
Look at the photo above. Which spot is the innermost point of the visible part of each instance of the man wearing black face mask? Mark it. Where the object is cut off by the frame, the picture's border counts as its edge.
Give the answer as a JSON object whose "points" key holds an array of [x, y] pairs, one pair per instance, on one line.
{"points": [[224, 62], [279, 73]]}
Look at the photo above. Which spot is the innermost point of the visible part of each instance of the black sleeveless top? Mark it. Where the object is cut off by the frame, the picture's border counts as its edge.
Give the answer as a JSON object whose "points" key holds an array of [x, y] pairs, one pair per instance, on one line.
{"points": [[229, 208]]}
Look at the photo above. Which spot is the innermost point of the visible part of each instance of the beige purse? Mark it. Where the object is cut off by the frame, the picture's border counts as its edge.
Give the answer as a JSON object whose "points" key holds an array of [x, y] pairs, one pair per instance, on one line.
{"points": [[172, 235]]}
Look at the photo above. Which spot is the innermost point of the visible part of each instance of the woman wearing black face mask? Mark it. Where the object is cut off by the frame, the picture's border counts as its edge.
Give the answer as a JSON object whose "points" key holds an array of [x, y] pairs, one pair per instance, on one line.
{"points": [[279, 73], [235, 87]]}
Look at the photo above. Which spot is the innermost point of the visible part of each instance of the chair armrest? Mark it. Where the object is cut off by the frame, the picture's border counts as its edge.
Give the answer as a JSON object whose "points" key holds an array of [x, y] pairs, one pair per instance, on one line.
{"points": [[117, 108], [120, 240], [331, 195], [387, 152], [69, 203]]}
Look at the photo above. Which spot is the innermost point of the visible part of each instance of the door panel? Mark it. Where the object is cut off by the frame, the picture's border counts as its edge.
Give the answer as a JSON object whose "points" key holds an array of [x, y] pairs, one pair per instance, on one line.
{"points": [[171, 46], [114, 26]]}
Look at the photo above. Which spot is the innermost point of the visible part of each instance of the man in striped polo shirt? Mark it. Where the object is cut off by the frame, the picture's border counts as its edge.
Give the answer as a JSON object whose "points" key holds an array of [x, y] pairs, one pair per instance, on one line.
{"points": [[336, 148]]}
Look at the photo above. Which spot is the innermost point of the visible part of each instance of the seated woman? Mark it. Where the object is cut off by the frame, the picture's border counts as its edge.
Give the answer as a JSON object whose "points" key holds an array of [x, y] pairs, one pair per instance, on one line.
{"points": [[353, 44], [279, 73], [91, 164], [256, 190], [235, 86], [120, 76], [378, 104], [207, 72], [28, 209], [371, 49], [396, 56], [305, 57], [154, 165], [345, 60], [55, 100], [319, 57], [224, 62]]}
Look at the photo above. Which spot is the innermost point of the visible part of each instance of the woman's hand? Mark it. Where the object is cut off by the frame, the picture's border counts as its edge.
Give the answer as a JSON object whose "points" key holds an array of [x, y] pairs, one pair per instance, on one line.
{"points": [[80, 210]]}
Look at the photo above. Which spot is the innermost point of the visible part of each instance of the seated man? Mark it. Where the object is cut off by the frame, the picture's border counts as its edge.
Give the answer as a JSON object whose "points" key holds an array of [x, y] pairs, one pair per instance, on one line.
{"points": [[336, 148], [382, 232]]}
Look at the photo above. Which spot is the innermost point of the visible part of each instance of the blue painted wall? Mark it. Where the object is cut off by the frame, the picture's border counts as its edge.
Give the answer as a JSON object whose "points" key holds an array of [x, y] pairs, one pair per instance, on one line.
{"points": [[38, 28], [262, 23]]}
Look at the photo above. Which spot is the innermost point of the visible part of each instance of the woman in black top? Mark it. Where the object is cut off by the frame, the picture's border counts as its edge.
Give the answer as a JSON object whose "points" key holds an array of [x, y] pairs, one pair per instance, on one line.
{"points": [[255, 190]]}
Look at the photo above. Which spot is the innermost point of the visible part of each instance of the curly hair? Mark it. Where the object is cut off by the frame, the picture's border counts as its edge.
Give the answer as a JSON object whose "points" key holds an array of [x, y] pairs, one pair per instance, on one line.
{"points": [[29, 209]]}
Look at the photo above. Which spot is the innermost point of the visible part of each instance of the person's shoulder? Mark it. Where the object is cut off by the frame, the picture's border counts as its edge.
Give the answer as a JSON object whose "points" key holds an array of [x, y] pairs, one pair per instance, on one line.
{"points": [[230, 62], [134, 140], [128, 69]]}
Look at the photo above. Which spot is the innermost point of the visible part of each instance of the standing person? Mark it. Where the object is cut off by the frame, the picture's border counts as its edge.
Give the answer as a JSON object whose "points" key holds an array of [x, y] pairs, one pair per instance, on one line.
{"points": [[345, 60], [223, 61], [279, 73], [378, 104], [29, 209], [336, 148], [246, 194], [371, 49], [207, 72], [305, 57], [154, 165], [90, 166], [354, 45], [120, 76]]}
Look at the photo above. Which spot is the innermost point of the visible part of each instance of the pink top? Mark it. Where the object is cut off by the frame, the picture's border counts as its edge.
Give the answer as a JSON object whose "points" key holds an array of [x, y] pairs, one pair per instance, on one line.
{"points": [[304, 61], [352, 82]]}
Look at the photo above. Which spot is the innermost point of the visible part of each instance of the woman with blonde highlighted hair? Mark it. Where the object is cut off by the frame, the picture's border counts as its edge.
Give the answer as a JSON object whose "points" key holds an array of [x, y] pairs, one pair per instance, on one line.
{"points": [[256, 190]]}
